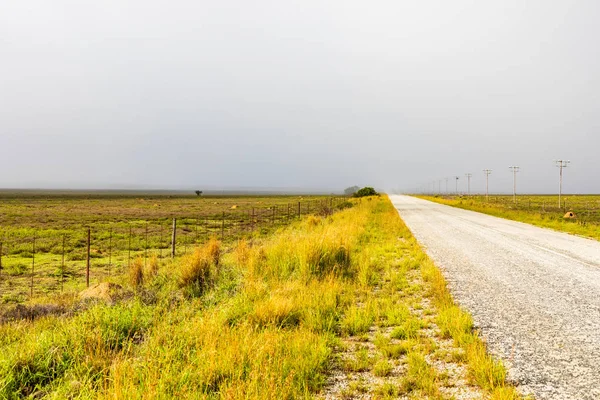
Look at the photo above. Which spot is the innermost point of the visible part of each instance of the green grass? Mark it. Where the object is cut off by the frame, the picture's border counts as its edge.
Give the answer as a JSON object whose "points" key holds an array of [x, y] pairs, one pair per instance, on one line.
{"points": [[541, 211], [124, 228], [254, 319]]}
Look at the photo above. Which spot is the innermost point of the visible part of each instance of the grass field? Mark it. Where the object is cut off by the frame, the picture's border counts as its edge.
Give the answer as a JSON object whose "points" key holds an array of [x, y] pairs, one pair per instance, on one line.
{"points": [[273, 316], [537, 210], [45, 236]]}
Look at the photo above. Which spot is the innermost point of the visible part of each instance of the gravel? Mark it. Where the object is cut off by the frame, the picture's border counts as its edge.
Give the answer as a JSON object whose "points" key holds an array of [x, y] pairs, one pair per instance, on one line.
{"points": [[534, 293]]}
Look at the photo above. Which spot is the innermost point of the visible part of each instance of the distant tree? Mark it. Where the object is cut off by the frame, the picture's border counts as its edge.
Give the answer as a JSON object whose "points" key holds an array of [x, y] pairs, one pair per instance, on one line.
{"points": [[351, 190], [198, 192], [366, 191]]}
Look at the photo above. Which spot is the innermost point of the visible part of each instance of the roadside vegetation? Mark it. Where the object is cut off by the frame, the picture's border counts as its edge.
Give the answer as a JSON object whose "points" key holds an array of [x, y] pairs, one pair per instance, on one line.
{"points": [[335, 306], [541, 211]]}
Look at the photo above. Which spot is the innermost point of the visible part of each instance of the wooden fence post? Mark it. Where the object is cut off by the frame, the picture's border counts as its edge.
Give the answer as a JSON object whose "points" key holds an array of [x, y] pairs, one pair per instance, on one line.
{"points": [[129, 248], [62, 265], [146, 245], [299, 215], [161, 242], [87, 268], [32, 265], [223, 226], [109, 250], [174, 238]]}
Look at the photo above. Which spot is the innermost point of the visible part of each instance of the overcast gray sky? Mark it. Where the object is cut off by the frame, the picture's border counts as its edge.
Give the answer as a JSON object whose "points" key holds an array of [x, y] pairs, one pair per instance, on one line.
{"points": [[298, 94]]}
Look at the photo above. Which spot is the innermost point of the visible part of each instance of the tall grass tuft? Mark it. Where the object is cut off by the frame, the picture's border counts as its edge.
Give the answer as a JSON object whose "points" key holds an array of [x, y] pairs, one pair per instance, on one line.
{"points": [[213, 250], [242, 252], [198, 270], [136, 273], [327, 255], [151, 269]]}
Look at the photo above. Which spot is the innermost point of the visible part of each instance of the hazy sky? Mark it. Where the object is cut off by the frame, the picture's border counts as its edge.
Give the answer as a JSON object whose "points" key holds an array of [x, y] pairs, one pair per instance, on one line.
{"points": [[298, 94]]}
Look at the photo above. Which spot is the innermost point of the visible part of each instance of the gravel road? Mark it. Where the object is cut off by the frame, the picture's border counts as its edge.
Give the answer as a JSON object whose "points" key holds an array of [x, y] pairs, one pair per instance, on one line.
{"points": [[534, 293]]}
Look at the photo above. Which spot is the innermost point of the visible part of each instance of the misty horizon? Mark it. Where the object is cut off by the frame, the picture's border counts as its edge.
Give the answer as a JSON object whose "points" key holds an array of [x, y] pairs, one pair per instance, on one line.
{"points": [[299, 96]]}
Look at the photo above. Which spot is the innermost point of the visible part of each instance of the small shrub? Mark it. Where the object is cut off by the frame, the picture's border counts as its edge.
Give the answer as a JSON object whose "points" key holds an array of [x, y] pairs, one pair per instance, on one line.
{"points": [[344, 205], [365, 192]]}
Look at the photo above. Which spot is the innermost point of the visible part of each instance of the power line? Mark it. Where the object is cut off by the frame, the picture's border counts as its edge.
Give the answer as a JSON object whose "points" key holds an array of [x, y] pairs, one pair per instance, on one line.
{"points": [[487, 173], [514, 169], [561, 164], [469, 175]]}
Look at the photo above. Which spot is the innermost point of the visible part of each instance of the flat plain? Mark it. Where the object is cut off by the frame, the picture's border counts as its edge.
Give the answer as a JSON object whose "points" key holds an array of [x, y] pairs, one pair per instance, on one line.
{"points": [[539, 210], [44, 236], [339, 303]]}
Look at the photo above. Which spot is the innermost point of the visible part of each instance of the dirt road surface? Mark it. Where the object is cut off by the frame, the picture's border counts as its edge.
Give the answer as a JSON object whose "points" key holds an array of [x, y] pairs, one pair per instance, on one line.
{"points": [[534, 293]]}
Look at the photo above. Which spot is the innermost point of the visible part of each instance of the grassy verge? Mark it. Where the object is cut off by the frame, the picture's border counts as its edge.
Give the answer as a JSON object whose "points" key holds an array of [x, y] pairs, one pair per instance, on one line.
{"points": [[553, 220], [269, 318]]}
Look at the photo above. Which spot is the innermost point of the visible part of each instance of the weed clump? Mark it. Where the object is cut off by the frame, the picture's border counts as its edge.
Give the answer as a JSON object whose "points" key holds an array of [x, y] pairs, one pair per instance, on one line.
{"points": [[151, 269], [198, 270], [328, 255], [277, 311], [213, 250], [242, 252], [136, 273], [313, 221], [382, 368]]}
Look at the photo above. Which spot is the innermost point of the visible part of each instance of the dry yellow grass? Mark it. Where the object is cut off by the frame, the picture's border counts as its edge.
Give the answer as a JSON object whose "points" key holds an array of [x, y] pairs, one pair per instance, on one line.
{"points": [[258, 322], [198, 271], [136, 273]]}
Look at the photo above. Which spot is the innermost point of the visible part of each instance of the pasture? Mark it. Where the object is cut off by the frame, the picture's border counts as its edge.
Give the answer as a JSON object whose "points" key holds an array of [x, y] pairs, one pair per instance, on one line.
{"points": [[48, 241], [334, 305], [540, 210]]}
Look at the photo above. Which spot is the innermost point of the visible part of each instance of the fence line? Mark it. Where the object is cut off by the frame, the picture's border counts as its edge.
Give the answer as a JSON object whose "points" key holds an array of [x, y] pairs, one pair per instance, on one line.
{"points": [[587, 209], [104, 247]]}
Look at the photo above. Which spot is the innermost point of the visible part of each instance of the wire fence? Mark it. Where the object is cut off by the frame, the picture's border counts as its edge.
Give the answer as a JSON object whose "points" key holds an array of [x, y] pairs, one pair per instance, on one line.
{"points": [[49, 261], [585, 208]]}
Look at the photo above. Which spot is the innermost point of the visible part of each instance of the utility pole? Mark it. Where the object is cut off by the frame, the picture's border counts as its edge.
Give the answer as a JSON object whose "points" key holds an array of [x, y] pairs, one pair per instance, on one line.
{"points": [[446, 185], [514, 169], [439, 187], [561, 164], [469, 175], [457, 178], [487, 173]]}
